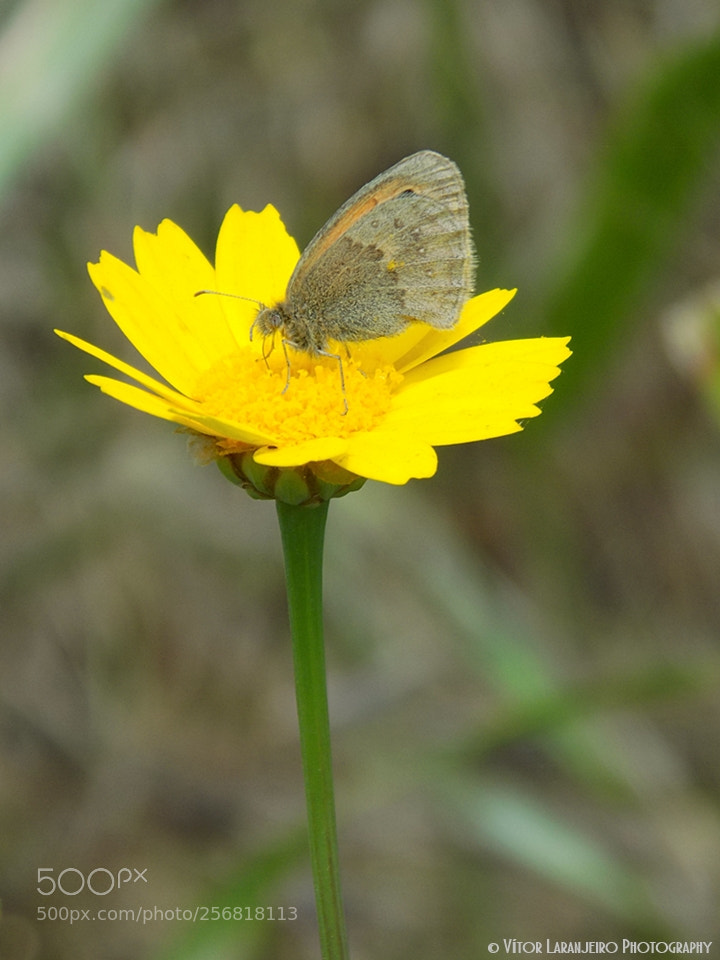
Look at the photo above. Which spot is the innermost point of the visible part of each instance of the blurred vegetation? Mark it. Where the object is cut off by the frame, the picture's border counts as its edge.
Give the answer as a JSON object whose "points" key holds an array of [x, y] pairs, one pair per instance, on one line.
{"points": [[523, 651]]}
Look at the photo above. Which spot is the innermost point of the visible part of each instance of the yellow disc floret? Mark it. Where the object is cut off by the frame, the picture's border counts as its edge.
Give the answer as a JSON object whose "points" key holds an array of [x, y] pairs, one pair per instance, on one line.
{"points": [[251, 389]]}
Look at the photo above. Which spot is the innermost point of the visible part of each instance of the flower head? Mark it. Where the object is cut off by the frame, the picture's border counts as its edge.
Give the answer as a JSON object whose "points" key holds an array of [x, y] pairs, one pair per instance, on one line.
{"points": [[285, 423]]}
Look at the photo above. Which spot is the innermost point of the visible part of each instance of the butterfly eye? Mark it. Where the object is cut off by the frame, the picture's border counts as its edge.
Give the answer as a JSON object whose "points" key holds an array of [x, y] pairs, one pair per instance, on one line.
{"points": [[267, 322]]}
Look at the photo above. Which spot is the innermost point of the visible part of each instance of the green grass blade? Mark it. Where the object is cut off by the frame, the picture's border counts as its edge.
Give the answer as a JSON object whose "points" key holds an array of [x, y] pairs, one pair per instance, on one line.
{"points": [[50, 56], [252, 887], [650, 178]]}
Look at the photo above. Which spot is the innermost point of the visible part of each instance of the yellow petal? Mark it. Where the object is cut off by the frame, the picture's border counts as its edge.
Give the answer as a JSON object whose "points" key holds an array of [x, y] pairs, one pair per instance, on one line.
{"points": [[174, 266], [168, 403], [547, 351], [255, 257], [149, 321], [189, 415], [122, 367], [233, 429], [322, 448], [388, 456], [140, 400], [477, 393], [419, 341]]}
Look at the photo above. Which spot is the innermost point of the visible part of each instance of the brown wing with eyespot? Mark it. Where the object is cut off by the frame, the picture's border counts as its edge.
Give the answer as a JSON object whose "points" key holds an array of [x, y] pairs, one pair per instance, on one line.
{"points": [[399, 250]]}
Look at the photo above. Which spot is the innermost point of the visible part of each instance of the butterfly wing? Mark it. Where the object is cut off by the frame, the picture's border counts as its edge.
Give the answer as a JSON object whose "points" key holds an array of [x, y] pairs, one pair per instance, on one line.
{"points": [[399, 250]]}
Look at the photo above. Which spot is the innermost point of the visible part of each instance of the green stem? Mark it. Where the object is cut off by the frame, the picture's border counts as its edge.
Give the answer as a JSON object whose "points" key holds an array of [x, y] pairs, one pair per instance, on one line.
{"points": [[303, 531]]}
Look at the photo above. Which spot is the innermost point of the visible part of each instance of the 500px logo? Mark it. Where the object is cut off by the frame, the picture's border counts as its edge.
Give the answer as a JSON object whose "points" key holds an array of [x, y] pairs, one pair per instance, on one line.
{"points": [[99, 881]]}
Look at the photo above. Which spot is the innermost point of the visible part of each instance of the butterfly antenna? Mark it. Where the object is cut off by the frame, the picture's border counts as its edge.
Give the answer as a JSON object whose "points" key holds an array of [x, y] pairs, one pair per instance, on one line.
{"points": [[224, 293]]}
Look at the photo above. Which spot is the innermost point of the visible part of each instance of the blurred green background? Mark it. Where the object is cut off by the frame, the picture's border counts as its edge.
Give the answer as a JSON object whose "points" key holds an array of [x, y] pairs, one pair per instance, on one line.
{"points": [[523, 651]]}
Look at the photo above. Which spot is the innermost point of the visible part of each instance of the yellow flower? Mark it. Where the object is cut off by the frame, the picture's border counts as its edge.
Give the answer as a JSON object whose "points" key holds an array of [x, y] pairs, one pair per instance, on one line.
{"points": [[402, 399]]}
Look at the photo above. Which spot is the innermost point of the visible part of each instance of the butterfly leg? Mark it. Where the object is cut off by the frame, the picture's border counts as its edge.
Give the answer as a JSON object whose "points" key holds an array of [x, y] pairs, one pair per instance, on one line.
{"points": [[288, 368], [349, 356], [266, 351], [336, 356], [322, 353]]}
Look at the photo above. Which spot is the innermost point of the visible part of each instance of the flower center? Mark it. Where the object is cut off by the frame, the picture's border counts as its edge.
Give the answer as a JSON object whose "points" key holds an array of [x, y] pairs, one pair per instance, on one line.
{"points": [[249, 389]]}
